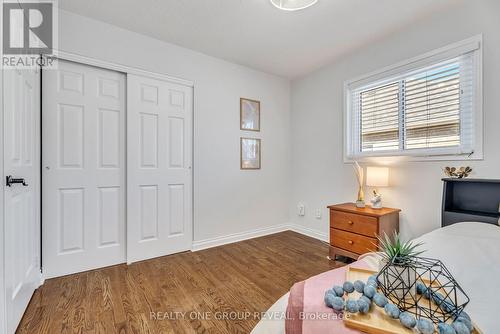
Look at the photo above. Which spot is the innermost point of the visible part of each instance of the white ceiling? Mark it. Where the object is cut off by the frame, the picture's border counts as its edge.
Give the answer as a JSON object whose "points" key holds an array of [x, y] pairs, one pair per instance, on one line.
{"points": [[256, 34]]}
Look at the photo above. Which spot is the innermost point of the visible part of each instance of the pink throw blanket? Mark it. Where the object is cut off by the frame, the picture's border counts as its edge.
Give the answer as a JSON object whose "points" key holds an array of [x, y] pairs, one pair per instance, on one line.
{"points": [[306, 310]]}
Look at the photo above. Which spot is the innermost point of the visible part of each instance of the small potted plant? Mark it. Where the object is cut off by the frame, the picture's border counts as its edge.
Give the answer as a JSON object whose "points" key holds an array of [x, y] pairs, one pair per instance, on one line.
{"points": [[398, 264]]}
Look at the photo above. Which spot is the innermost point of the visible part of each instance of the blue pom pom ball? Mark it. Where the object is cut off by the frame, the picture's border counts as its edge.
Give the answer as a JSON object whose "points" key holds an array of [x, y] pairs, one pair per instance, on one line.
{"points": [[427, 293], [392, 310], [359, 286], [348, 287], [329, 299], [466, 322], [329, 294], [421, 287], [363, 306], [339, 291], [337, 303], [460, 328], [372, 280], [366, 299], [425, 326], [351, 306], [437, 298], [380, 299], [369, 291], [464, 314], [407, 320], [447, 306], [444, 328]]}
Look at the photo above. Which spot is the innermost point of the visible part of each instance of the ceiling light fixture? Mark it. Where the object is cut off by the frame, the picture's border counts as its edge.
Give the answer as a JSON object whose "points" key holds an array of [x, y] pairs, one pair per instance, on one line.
{"points": [[291, 5]]}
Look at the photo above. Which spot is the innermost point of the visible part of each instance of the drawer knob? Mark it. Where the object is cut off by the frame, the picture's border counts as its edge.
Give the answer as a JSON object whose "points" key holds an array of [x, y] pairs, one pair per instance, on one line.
{"points": [[350, 222], [350, 242]]}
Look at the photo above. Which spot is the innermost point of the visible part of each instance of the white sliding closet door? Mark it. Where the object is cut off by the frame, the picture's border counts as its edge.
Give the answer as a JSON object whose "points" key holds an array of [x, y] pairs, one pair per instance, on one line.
{"points": [[83, 168], [159, 176]]}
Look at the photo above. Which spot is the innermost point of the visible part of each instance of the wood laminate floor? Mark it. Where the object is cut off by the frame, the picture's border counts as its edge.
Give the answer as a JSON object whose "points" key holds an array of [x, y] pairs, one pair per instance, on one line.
{"points": [[182, 293]]}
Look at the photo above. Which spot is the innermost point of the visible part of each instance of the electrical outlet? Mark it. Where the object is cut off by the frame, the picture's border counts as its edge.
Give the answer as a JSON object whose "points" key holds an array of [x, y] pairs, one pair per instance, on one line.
{"points": [[318, 213], [301, 209]]}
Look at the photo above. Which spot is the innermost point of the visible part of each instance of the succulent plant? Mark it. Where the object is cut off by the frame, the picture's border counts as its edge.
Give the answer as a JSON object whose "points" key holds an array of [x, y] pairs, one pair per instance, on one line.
{"points": [[397, 251], [459, 173]]}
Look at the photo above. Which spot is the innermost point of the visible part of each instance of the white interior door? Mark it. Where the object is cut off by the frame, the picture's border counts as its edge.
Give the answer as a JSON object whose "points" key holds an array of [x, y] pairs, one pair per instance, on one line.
{"points": [[83, 168], [22, 199], [159, 175]]}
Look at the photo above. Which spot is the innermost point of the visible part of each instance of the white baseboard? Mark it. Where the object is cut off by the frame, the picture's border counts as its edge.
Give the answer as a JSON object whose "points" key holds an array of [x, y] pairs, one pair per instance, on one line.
{"points": [[236, 237], [231, 238], [310, 232]]}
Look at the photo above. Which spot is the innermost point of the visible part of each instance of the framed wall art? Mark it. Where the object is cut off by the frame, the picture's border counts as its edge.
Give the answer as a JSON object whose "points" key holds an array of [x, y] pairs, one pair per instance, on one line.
{"points": [[250, 153], [249, 115]]}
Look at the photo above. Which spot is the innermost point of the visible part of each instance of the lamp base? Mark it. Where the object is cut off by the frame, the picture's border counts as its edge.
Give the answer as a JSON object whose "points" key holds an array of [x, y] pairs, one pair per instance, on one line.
{"points": [[376, 200]]}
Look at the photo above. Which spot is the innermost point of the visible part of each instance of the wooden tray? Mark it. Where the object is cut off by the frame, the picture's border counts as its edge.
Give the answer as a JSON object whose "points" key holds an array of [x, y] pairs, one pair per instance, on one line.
{"points": [[376, 321]]}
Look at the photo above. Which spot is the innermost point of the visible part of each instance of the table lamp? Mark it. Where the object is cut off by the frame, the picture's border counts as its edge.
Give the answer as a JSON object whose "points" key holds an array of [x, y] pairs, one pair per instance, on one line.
{"points": [[377, 177]]}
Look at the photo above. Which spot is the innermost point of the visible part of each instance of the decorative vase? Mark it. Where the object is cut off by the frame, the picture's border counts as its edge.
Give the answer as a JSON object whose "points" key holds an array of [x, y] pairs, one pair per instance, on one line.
{"points": [[401, 279], [360, 202]]}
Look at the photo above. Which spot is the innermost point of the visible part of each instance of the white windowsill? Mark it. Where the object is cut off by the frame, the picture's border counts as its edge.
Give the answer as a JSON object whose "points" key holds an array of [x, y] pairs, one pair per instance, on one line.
{"points": [[476, 156]]}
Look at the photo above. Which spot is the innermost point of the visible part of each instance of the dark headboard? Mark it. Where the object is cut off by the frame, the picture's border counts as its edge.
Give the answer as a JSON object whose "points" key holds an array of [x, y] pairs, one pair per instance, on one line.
{"points": [[470, 200]]}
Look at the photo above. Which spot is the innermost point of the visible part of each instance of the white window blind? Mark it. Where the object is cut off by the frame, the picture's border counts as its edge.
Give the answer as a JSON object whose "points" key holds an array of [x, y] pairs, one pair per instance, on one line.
{"points": [[379, 118], [422, 110]]}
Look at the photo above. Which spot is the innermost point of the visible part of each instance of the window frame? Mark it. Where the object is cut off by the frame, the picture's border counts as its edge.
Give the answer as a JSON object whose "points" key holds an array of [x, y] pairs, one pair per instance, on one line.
{"points": [[391, 73]]}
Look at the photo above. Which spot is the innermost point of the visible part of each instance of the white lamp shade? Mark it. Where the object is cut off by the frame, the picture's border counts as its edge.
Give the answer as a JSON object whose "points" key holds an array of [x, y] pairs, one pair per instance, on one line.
{"points": [[377, 176]]}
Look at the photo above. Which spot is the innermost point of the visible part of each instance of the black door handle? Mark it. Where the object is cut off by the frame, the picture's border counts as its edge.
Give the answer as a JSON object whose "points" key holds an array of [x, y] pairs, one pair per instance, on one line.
{"points": [[9, 181]]}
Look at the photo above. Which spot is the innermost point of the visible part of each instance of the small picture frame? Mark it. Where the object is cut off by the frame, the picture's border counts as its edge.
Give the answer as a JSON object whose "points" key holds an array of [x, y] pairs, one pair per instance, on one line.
{"points": [[249, 115], [250, 153]]}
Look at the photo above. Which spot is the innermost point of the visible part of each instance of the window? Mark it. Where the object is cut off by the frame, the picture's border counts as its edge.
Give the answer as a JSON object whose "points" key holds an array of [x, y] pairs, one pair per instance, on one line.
{"points": [[429, 106]]}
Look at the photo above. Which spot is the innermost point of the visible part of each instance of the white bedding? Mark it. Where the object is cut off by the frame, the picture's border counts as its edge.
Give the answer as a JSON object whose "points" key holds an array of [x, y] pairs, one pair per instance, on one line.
{"points": [[471, 252]]}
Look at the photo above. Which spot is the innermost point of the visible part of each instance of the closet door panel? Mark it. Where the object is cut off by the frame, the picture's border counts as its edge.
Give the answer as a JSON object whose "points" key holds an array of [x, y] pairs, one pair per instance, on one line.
{"points": [[159, 177], [83, 168]]}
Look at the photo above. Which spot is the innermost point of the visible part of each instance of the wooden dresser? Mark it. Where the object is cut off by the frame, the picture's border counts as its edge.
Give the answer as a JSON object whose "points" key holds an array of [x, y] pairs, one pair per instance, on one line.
{"points": [[354, 231]]}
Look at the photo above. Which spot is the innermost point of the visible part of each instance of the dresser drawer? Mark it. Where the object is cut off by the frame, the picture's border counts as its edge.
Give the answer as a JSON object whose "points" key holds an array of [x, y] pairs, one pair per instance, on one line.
{"points": [[351, 222], [352, 242]]}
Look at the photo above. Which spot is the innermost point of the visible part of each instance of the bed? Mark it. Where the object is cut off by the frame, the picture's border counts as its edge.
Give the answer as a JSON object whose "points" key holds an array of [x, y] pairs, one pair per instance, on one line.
{"points": [[469, 248]]}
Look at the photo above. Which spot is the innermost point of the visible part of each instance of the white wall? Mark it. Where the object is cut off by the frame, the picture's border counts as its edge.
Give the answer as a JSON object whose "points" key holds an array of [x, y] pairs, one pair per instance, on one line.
{"points": [[319, 175], [226, 200]]}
